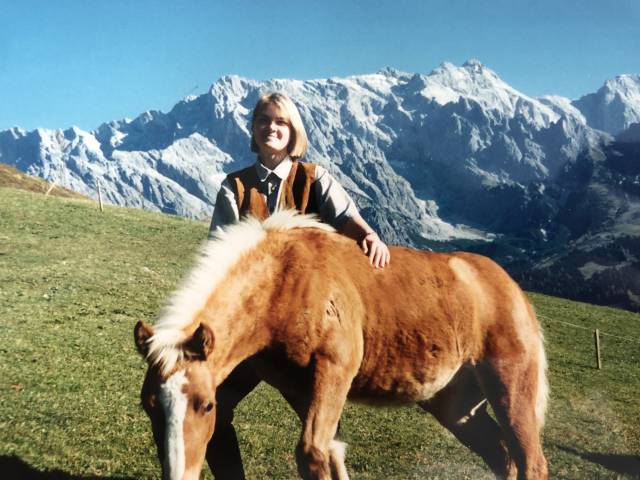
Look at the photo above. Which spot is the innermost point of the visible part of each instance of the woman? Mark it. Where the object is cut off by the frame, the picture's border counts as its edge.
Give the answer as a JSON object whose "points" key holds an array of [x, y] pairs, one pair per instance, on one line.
{"points": [[277, 180]]}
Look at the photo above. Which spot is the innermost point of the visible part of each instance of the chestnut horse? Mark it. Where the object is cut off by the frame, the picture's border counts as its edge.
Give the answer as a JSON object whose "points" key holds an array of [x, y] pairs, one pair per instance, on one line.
{"points": [[301, 304]]}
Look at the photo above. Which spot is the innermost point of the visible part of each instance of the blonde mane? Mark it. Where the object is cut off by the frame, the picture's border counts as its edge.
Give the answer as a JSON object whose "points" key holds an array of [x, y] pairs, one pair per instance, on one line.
{"points": [[215, 258]]}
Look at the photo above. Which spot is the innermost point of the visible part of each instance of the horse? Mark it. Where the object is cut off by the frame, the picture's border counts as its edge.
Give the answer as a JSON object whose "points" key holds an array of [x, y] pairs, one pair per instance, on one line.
{"points": [[451, 332]]}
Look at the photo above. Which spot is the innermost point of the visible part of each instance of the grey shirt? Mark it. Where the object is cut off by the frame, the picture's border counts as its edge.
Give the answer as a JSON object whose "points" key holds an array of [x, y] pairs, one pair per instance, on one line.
{"points": [[334, 204]]}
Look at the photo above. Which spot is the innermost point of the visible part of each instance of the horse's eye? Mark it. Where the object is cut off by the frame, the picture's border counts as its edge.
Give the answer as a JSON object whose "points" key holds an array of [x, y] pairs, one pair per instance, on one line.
{"points": [[203, 406]]}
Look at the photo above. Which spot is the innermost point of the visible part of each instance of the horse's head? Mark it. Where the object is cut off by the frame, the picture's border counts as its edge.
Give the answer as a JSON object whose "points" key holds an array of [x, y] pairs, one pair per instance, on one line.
{"points": [[180, 402]]}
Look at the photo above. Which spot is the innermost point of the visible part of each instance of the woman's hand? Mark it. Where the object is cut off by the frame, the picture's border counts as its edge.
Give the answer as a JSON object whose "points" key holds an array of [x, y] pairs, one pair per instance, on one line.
{"points": [[355, 227], [375, 249]]}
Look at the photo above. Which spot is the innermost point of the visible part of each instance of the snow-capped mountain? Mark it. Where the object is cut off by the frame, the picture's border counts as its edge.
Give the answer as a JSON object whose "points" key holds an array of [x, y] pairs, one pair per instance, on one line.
{"points": [[615, 106], [453, 159]]}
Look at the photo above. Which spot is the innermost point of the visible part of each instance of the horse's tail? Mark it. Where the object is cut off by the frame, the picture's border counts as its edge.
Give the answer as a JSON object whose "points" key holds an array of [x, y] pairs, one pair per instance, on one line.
{"points": [[542, 393], [542, 397]]}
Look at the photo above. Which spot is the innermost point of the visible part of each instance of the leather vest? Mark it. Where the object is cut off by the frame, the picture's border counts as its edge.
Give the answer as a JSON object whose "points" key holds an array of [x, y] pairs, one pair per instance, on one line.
{"points": [[296, 191]]}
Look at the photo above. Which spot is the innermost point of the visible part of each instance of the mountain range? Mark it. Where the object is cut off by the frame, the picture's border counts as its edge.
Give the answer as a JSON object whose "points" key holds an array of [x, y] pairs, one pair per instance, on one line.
{"points": [[457, 158]]}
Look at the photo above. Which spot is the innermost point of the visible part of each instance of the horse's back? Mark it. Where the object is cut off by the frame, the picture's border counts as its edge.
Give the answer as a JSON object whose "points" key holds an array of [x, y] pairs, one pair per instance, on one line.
{"points": [[410, 326], [428, 314]]}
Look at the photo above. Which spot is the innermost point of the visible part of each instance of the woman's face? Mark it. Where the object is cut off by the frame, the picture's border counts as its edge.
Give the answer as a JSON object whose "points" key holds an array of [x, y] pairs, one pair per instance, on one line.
{"points": [[271, 131]]}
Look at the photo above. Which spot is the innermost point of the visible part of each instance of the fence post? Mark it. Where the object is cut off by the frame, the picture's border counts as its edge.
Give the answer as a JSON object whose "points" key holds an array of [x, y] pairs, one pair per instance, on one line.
{"points": [[51, 187], [596, 336], [100, 196]]}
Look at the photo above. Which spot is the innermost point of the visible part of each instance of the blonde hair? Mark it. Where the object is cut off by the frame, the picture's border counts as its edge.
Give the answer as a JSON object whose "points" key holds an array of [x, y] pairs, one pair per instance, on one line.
{"points": [[298, 143]]}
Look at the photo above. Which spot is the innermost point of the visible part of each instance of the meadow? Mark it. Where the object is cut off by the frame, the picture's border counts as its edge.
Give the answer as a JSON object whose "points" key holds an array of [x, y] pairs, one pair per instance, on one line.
{"points": [[74, 281]]}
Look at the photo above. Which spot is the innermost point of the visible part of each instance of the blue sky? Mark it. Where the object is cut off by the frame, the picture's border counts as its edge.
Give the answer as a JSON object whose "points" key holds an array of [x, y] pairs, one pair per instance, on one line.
{"points": [[84, 62]]}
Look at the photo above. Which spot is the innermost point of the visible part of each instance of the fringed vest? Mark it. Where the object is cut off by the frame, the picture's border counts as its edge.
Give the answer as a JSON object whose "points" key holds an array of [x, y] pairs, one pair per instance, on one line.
{"points": [[296, 191]]}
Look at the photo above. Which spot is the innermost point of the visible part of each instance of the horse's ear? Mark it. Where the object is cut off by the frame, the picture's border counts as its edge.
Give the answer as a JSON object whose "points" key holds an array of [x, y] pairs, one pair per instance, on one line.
{"points": [[141, 334], [200, 345]]}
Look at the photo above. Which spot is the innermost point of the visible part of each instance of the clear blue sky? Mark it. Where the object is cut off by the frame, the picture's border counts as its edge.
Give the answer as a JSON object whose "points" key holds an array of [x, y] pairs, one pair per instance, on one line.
{"points": [[84, 62]]}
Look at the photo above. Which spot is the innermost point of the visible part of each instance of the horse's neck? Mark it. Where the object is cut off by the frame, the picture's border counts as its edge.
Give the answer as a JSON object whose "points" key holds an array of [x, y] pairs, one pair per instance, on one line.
{"points": [[233, 347], [238, 316]]}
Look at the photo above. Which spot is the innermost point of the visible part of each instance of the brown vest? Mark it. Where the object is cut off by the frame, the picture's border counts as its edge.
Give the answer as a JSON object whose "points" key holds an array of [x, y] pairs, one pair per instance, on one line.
{"points": [[296, 192]]}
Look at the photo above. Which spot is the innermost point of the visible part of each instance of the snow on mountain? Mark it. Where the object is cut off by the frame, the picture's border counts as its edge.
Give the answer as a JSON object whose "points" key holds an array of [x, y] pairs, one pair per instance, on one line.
{"points": [[414, 145], [475, 82], [456, 158], [563, 107], [615, 106]]}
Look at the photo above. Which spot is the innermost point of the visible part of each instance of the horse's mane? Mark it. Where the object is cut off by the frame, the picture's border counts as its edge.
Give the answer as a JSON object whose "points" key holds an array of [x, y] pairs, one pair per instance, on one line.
{"points": [[214, 260]]}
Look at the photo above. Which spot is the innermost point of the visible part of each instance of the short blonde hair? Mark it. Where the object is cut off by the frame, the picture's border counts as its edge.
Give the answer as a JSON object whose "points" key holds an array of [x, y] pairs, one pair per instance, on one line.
{"points": [[298, 143]]}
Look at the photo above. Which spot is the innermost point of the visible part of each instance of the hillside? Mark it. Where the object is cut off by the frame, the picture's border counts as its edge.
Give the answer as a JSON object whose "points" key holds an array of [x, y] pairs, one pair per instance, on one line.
{"points": [[73, 282], [13, 178]]}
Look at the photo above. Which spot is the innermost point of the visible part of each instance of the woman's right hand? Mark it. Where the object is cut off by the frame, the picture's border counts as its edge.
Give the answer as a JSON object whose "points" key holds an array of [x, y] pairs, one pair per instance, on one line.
{"points": [[376, 250]]}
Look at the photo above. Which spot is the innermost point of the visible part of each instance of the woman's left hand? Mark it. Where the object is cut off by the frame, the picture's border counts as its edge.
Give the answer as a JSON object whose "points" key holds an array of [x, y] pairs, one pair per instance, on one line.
{"points": [[376, 250]]}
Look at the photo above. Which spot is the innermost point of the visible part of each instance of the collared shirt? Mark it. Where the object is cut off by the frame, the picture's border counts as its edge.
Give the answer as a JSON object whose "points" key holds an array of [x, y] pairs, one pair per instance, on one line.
{"points": [[334, 204]]}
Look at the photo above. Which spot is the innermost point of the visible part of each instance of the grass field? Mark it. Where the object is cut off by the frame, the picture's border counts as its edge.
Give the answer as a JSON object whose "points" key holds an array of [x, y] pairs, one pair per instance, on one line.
{"points": [[73, 282]]}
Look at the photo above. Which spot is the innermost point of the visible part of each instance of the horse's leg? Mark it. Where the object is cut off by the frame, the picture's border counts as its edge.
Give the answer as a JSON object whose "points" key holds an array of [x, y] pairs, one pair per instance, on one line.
{"points": [[223, 453], [318, 455], [337, 449], [461, 407], [297, 384], [512, 387]]}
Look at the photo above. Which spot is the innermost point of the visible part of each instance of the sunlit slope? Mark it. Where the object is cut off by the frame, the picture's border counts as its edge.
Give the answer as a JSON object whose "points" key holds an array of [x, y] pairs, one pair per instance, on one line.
{"points": [[11, 177]]}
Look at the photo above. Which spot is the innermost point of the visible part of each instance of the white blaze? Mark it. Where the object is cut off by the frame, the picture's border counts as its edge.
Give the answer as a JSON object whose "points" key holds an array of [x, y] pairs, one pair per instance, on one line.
{"points": [[174, 402]]}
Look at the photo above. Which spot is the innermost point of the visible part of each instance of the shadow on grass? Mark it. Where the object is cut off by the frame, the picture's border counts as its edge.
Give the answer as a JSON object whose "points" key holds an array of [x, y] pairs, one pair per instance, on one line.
{"points": [[623, 464], [17, 469]]}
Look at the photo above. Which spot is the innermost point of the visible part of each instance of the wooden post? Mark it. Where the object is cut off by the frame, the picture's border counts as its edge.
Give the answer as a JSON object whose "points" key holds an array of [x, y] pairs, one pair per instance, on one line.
{"points": [[596, 336], [100, 196], [50, 188]]}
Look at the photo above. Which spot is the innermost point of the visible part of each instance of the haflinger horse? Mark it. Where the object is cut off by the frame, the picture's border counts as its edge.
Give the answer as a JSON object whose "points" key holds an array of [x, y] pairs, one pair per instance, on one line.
{"points": [[299, 302]]}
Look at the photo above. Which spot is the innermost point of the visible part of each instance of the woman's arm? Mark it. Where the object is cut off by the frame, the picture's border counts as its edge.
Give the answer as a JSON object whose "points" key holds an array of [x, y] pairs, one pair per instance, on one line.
{"points": [[339, 210], [355, 227], [225, 211]]}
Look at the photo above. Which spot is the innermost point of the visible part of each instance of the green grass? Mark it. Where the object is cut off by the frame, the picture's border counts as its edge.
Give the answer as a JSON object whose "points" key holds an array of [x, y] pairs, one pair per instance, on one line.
{"points": [[73, 282]]}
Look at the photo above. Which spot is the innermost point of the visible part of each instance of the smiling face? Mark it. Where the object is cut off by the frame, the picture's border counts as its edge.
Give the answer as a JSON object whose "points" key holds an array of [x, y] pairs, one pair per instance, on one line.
{"points": [[272, 132], [181, 408]]}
